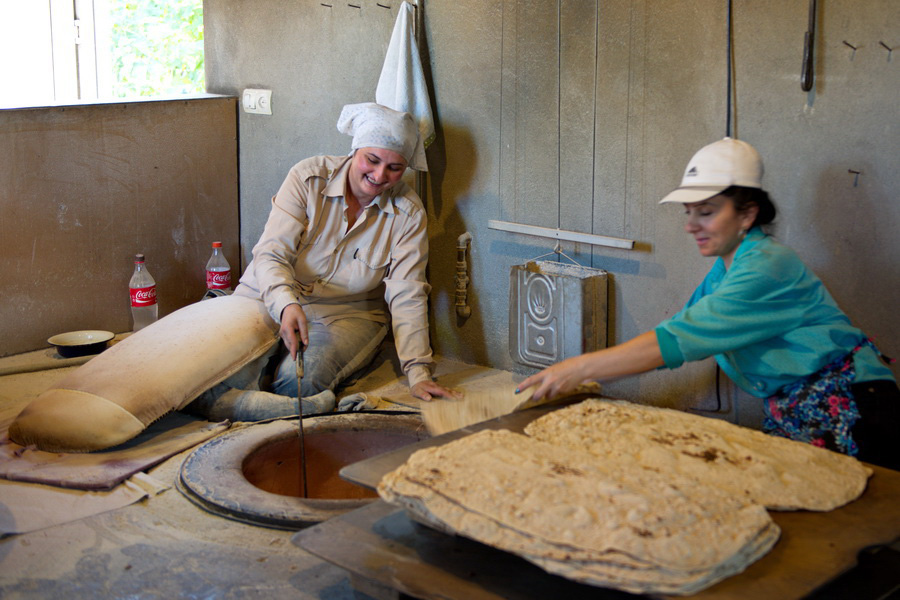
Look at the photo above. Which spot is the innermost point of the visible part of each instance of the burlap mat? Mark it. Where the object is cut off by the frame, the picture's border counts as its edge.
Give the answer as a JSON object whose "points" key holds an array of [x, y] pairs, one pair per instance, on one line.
{"points": [[105, 469]]}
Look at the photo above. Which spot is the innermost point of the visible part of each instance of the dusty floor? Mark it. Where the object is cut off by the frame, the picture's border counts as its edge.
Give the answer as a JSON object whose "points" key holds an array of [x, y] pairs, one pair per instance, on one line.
{"points": [[165, 546]]}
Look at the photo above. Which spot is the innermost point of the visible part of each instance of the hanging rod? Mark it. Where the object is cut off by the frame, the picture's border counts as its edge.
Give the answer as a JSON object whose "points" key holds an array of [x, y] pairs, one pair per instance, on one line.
{"points": [[560, 234]]}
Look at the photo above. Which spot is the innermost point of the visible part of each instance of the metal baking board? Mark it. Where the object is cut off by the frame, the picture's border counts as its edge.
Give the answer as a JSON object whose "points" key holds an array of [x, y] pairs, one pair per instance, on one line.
{"points": [[379, 543], [381, 546]]}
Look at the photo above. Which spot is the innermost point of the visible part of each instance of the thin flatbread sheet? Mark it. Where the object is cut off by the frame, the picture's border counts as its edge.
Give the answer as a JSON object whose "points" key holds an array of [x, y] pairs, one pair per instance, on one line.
{"points": [[778, 473], [450, 414]]}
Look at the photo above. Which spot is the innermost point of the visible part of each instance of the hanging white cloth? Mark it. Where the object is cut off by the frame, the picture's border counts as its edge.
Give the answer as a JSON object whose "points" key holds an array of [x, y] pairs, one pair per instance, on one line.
{"points": [[402, 82]]}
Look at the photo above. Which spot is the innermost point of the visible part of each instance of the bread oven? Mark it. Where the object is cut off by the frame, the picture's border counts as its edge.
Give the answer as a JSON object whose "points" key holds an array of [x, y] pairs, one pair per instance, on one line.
{"points": [[252, 474]]}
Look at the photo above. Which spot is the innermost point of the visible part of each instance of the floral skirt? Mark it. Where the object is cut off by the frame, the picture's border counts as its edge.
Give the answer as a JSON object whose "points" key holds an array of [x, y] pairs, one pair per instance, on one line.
{"points": [[819, 410]]}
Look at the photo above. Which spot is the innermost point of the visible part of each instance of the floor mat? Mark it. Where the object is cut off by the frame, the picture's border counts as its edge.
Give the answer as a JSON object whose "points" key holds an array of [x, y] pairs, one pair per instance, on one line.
{"points": [[105, 469], [28, 507]]}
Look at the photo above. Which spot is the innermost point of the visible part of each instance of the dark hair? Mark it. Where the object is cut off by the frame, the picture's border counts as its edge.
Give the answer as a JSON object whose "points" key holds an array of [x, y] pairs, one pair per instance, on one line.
{"points": [[745, 197]]}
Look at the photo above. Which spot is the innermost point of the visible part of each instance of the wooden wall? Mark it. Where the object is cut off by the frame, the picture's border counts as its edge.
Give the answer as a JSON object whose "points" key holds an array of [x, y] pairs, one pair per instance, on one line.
{"points": [[84, 188]]}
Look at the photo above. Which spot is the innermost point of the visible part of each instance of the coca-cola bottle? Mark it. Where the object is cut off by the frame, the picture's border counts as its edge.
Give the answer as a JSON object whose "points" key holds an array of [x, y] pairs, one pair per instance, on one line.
{"points": [[218, 271], [144, 309]]}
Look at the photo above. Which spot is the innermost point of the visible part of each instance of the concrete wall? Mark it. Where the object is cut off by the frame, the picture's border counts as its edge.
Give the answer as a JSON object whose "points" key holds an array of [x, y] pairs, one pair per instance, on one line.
{"points": [[85, 188], [581, 115]]}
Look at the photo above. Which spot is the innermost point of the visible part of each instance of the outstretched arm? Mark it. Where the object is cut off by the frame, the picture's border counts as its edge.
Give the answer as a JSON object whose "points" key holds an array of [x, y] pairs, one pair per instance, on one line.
{"points": [[637, 355]]}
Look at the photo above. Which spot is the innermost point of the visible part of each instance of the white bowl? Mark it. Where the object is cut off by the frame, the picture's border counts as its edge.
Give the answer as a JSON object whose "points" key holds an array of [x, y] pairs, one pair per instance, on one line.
{"points": [[81, 343]]}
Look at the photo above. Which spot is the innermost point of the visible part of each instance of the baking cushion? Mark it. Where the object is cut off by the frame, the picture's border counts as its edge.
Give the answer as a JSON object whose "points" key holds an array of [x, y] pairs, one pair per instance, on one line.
{"points": [[161, 368]]}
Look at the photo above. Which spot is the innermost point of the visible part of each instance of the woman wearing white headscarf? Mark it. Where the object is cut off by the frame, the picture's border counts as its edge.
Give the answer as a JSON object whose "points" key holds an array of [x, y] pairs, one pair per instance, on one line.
{"points": [[342, 254]]}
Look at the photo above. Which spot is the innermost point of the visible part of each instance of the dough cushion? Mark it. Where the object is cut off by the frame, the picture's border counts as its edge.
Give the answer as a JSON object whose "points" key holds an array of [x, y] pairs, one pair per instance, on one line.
{"points": [[161, 368]]}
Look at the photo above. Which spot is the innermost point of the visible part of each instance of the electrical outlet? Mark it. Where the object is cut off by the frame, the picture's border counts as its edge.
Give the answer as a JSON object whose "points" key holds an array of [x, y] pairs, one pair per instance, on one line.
{"points": [[257, 102]]}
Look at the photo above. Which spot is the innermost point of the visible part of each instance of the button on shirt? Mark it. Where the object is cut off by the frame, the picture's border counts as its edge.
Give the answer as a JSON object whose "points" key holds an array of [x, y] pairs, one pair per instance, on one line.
{"points": [[307, 255], [768, 320]]}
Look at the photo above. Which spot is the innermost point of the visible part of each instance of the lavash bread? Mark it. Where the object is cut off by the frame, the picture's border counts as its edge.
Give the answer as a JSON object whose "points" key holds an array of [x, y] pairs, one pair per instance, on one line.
{"points": [[161, 368], [449, 414], [592, 521], [778, 473]]}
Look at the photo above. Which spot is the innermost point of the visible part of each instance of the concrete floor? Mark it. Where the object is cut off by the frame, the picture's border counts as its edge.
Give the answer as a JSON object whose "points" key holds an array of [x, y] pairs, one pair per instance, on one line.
{"points": [[165, 546]]}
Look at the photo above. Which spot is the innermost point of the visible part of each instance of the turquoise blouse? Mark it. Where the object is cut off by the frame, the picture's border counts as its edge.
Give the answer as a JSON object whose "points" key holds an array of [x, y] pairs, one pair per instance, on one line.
{"points": [[768, 320]]}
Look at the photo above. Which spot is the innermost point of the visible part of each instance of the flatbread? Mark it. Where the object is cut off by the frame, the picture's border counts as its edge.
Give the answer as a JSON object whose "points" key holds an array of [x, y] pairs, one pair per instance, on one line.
{"points": [[589, 520], [450, 414], [778, 473]]}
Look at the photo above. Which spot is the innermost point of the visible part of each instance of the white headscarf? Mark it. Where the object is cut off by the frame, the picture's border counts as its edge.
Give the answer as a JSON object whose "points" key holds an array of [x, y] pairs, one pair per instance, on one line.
{"points": [[376, 126]]}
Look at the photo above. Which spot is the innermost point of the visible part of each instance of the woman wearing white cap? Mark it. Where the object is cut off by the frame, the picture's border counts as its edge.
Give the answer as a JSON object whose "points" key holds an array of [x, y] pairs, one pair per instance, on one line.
{"points": [[766, 318], [342, 254]]}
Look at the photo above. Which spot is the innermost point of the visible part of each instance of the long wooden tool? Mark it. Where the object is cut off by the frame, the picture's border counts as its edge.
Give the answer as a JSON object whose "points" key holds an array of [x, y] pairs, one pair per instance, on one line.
{"points": [[446, 415], [300, 420]]}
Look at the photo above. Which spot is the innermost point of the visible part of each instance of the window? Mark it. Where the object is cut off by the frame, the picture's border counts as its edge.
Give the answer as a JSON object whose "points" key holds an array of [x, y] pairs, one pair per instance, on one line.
{"points": [[62, 51]]}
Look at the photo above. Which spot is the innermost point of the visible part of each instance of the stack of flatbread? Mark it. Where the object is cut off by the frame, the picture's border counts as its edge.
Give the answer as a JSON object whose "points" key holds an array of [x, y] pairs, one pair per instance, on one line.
{"points": [[619, 495], [581, 518]]}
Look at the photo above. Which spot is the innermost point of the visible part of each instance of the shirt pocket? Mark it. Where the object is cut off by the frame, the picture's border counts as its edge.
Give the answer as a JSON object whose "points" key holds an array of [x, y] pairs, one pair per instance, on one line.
{"points": [[366, 271]]}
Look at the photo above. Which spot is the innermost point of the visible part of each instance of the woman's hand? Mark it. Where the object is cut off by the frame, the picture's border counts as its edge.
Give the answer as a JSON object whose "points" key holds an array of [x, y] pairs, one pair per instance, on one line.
{"points": [[637, 355], [559, 379], [428, 390], [293, 325]]}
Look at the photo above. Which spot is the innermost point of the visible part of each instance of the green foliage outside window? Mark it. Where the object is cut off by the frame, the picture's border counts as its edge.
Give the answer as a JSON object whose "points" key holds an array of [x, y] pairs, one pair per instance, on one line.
{"points": [[157, 47]]}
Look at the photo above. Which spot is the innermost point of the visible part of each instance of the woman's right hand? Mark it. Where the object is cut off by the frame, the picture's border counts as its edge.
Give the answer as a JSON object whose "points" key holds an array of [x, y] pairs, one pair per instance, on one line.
{"points": [[637, 355], [293, 326], [558, 379]]}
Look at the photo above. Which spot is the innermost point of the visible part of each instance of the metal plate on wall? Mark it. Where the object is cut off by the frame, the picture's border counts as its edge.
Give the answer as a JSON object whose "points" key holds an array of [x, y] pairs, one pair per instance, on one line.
{"points": [[556, 311]]}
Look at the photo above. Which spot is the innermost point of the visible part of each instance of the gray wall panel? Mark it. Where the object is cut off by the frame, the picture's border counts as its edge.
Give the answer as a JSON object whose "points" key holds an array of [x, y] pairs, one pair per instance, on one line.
{"points": [[517, 141]]}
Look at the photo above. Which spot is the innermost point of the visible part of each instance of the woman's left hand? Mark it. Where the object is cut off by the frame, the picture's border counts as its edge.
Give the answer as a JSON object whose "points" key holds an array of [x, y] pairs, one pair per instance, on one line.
{"points": [[428, 390]]}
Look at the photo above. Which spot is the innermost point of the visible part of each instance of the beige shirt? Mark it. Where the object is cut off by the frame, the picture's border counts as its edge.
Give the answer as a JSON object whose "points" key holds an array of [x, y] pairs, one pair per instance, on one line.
{"points": [[306, 255]]}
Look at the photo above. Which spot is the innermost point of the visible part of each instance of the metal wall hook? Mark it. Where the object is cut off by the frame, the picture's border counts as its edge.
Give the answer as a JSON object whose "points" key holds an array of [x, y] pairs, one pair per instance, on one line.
{"points": [[886, 47], [849, 45], [807, 73], [855, 176], [558, 250]]}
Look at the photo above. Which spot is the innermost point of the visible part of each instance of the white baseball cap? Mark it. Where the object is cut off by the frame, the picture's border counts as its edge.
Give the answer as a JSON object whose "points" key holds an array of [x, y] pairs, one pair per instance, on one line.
{"points": [[717, 167]]}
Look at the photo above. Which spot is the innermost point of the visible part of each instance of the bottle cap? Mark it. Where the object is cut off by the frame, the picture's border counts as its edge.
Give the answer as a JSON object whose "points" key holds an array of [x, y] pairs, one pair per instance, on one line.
{"points": [[217, 244], [138, 258]]}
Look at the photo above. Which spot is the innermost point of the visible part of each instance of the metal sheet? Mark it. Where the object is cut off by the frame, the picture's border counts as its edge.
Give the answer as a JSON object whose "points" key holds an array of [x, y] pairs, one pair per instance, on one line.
{"points": [[380, 544]]}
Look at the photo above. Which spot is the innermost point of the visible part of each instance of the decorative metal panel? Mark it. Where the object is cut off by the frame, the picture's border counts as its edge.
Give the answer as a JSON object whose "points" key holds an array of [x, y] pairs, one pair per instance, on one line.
{"points": [[556, 311]]}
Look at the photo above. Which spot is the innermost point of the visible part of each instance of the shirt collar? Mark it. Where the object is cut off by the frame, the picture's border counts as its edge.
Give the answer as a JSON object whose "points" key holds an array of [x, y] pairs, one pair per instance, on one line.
{"points": [[753, 236], [338, 183]]}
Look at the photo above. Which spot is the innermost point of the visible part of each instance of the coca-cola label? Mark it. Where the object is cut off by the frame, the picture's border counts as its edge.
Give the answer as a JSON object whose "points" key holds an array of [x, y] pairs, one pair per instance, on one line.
{"points": [[143, 296], [218, 280]]}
